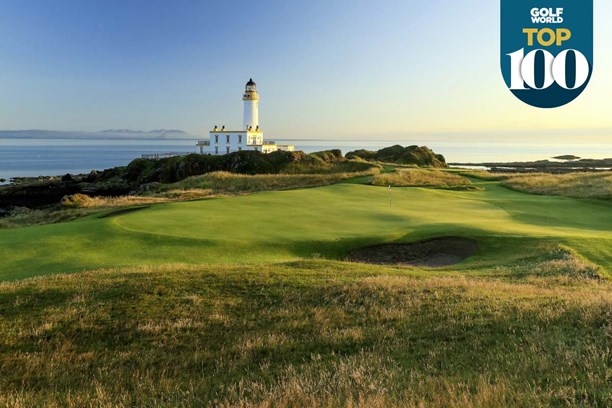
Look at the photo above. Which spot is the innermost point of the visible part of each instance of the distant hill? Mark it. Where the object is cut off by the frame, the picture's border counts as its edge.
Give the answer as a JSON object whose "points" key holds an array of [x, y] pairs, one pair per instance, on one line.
{"points": [[103, 134]]}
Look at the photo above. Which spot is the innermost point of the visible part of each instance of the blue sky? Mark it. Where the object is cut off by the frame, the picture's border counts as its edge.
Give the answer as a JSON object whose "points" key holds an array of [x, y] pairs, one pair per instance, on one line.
{"points": [[325, 69]]}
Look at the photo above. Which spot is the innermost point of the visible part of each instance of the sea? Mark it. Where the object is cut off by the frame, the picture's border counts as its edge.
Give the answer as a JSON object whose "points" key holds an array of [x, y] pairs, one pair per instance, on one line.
{"points": [[47, 157]]}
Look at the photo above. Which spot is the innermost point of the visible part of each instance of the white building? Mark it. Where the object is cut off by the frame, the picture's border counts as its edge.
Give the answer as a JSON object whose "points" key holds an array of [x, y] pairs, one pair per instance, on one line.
{"points": [[222, 141]]}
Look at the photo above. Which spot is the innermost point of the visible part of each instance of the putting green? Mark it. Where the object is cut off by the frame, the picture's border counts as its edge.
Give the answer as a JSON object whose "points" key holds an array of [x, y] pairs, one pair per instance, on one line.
{"points": [[327, 221]]}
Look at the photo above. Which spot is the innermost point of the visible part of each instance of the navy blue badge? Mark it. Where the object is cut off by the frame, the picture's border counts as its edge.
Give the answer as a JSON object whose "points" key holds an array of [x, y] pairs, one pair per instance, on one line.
{"points": [[547, 49]]}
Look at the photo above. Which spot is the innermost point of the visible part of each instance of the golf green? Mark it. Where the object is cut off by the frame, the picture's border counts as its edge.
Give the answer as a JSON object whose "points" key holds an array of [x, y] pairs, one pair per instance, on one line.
{"points": [[324, 222]]}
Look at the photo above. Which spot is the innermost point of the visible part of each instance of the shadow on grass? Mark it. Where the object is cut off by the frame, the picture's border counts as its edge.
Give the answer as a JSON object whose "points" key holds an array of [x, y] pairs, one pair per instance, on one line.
{"points": [[122, 211]]}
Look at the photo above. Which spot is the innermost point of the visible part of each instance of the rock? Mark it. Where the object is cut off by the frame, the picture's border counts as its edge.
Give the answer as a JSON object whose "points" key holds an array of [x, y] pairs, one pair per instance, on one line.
{"points": [[417, 155]]}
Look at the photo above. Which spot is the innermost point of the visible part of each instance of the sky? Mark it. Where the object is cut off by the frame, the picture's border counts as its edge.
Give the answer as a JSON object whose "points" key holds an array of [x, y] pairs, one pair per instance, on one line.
{"points": [[325, 69]]}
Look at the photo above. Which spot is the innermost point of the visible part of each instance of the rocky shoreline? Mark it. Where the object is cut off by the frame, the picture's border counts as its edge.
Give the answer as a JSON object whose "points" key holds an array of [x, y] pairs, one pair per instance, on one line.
{"points": [[565, 164]]}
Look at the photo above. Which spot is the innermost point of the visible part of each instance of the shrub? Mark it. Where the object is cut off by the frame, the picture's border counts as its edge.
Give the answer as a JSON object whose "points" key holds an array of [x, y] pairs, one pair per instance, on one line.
{"points": [[329, 156], [140, 170], [362, 154]]}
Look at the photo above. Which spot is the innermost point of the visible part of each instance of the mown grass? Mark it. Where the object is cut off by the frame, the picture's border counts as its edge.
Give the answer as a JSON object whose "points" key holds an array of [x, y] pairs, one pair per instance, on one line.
{"points": [[308, 333], [331, 221], [421, 178]]}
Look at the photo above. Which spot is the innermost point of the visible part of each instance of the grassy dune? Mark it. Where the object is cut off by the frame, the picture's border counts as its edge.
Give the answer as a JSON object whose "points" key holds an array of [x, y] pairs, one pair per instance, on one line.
{"points": [[578, 185], [420, 178], [224, 182]]}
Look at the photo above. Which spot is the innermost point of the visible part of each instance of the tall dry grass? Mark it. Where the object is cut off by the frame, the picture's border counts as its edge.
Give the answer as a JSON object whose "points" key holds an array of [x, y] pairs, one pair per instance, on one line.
{"points": [[224, 182], [577, 185], [85, 201], [420, 178], [28, 218]]}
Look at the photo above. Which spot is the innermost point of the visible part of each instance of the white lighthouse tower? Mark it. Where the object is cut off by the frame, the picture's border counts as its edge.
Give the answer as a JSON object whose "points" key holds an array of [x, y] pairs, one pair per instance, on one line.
{"points": [[223, 141], [251, 106]]}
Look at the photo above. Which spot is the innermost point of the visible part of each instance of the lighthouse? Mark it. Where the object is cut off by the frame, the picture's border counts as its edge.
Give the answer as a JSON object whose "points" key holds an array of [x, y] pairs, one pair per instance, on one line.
{"points": [[251, 106], [224, 141]]}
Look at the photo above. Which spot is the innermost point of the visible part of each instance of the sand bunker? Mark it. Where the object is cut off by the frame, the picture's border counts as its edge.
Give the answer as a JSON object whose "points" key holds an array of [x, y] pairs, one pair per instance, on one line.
{"points": [[434, 252]]}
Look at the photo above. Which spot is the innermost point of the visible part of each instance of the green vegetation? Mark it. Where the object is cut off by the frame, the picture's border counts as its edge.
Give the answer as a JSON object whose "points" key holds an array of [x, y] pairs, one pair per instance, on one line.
{"points": [[309, 333], [487, 175], [223, 182], [422, 177], [578, 185], [29, 217], [419, 156], [240, 301], [288, 225], [140, 174]]}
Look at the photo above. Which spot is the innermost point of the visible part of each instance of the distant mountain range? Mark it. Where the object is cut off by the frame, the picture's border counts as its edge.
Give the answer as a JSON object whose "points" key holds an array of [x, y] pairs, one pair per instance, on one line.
{"points": [[103, 134]]}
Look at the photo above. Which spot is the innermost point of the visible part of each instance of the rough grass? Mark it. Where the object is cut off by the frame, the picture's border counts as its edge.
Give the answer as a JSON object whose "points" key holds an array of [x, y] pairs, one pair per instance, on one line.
{"points": [[224, 182], [486, 175], [527, 322], [46, 216], [558, 262], [85, 201], [206, 186], [309, 333], [420, 178], [577, 185], [77, 206]]}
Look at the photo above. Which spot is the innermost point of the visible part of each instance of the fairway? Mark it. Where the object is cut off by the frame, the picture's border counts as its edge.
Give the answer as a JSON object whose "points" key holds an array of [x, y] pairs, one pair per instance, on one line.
{"points": [[326, 222]]}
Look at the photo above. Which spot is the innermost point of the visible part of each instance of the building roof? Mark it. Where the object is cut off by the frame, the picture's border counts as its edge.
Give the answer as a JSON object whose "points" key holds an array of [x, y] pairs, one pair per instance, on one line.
{"points": [[251, 83]]}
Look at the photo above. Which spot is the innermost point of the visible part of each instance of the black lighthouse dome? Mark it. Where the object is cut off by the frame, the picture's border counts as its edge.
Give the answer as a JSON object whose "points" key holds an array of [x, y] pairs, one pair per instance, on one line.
{"points": [[251, 85]]}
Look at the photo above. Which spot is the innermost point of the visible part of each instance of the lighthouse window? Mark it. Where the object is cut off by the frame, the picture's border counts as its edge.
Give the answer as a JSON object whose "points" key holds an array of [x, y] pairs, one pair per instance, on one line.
{"points": [[216, 138], [227, 149], [239, 138], [228, 137]]}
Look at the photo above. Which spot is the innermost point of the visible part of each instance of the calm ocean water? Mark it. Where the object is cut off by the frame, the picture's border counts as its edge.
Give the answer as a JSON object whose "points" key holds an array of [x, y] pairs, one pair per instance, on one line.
{"points": [[32, 157]]}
